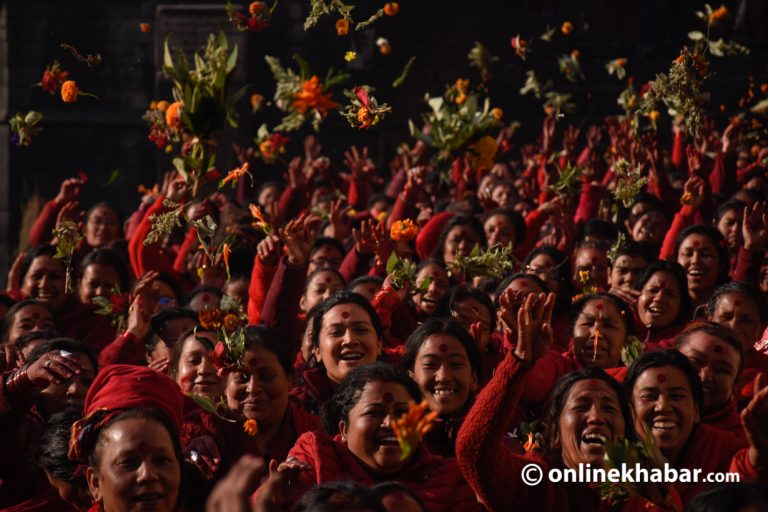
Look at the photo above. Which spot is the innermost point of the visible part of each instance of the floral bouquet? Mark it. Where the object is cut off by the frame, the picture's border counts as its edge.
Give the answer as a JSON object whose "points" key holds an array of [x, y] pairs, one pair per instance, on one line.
{"points": [[303, 95], [67, 238], [363, 111], [25, 127], [630, 181], [258, 18], [403, 270], [115, 307], [269, 146]]}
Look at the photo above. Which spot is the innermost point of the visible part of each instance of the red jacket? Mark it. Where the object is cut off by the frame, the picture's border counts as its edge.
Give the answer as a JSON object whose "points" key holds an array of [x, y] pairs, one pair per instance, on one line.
{"points": [[80, 321], [315, 391], [754, 362], [437, 481], [726, 418]]}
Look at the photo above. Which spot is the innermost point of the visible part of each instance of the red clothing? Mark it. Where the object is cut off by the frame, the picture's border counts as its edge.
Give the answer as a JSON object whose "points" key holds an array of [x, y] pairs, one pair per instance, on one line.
{"points": [[429, 235], [144, 258], [261, 279], [125, 349], [80, 321], [754, 362], [46, 500], [316, 389], [726, 418], [233, 442], [684, 218], [437, 481], [281, 305]]}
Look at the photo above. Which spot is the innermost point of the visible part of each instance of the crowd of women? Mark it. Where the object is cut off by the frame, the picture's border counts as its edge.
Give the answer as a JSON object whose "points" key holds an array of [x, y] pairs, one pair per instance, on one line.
{"points": [[273, 379]]}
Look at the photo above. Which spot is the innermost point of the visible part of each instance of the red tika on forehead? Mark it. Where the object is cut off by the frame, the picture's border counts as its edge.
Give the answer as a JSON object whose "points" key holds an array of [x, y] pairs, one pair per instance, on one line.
{"points": [[696, 243], [593, 383], [206, 298], [718, 349], [661, 377], [328, 279], [599, 305], [443, 347], [345, 314], [387, 397]]}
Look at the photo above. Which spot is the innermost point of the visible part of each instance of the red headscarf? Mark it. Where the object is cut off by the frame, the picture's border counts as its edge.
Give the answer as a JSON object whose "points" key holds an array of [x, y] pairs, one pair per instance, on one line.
{"points": [[119, 387]]}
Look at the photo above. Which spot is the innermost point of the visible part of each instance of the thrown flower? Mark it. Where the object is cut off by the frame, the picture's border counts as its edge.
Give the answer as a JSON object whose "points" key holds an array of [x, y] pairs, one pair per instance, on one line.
{"points": [[403, 231], [364, 110], [391, 8], [235, 175], [261, 223], [520, 46], [531, 444], [173, 115], [412, 426], [384, 47], [312, 96], [251, 427], [566, 28], [53, 77], [70, 92], [342, 26]]}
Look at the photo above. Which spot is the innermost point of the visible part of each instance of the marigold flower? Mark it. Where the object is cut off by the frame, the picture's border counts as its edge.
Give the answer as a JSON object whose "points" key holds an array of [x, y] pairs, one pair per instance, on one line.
{"points": [[311, 96], [620, 62], [210, 318], [162, 105], [251, 427], [461, 98], [144, 27], [482, 153], [391, 8], [350, 56], [764, 88], [69, 91], [342, 26], [52, 78], [583, 276], [411, 427], [364, 117], [384, 47], [267, 150], [654, 115], [497, 113], [686, 198], [256, 101], [462, 85], [575, 54], [403, 231], [231, 322], [256, 7], [173, 115], [566, 28]]}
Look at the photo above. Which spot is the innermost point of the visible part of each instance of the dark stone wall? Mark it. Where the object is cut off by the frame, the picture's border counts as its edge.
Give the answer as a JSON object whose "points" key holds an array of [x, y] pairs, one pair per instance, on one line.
{"points": [[100, 136]]}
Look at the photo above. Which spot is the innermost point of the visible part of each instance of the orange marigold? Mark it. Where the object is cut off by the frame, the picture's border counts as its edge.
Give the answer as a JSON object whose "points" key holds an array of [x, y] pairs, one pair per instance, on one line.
{"points": [[256, 100], [255, 7], [482, 153], [311, 96], [497, 113], [69, 91], [251, 427], [403, 231], [567, 28], [462, 85], [173, 115], [575, 54], [653, 115], [531, 444], [364, 117], [236, 174], [686, 198], [391, 8], [162, 105], [210, 318], [144, 27], [231, 322], [342, 27]]}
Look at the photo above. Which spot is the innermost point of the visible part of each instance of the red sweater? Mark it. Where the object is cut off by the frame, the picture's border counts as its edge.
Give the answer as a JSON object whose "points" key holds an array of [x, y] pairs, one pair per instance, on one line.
{"points": [[726, 418], [437, 481]]}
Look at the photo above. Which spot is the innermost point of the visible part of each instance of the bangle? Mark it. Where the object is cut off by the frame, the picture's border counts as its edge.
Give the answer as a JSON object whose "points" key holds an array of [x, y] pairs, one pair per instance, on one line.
{"points": [[686, 199], [522, 362], [17, 381]]}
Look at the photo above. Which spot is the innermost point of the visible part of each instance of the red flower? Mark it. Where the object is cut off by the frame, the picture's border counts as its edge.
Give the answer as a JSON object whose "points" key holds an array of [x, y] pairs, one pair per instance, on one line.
{"points": [[219, 356]]}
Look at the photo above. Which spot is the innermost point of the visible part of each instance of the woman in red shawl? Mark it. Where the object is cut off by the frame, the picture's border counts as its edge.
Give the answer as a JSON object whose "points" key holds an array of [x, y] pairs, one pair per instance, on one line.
{"points": [[129, 438]]}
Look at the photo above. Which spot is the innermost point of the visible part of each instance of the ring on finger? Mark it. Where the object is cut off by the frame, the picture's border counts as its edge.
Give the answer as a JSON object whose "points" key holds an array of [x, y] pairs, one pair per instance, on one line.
{"points": [[48, 363], [194, 456]]}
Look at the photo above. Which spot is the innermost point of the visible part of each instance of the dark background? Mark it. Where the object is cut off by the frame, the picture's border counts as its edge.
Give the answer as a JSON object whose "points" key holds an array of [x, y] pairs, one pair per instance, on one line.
{"points": [[100, 136]]}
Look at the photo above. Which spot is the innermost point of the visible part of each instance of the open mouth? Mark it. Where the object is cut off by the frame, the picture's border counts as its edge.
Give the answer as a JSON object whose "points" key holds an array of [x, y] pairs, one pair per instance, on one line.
{"points": [[655, 310], [696, 273], [443, 392], [148, 497], [350, 356], [594, 438], [664, 425], [388, 440]]}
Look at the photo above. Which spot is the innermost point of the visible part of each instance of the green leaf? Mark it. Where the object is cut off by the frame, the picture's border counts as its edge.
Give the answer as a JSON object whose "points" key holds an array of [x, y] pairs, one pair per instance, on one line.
{"points": [[167, 58], [232, 60]]}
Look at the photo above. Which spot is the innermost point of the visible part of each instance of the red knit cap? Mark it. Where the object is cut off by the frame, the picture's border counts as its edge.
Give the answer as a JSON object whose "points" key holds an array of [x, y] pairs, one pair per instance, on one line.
{"points": [[125, 386]]}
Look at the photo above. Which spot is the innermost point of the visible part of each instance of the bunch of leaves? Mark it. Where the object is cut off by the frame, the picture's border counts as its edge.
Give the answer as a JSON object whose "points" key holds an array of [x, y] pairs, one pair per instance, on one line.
{"points": [[557, 103], [456, 121], [630, 181], [568, 179], [482, 59], [631, 350], [217, 409], [67, 237], [570, 66], [646, 454], [402, 271], [231, 346], [364, 110], [163, 224], [680, 90], [719, 47], [25, 127], [115, 307], [320, 8], [534, 85], [618, 246], [205, 229], [617, 67], [207, 104], [496, 262], [412, 426], [289, 89], [257, 19], [270, 145]]}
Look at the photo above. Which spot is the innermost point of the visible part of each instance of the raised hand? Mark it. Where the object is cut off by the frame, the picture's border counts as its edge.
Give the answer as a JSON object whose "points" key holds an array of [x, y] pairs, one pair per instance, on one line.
{"points": [[534, 327], [268, 250], [53, 367], [341, 223], [69, 191], [142, 306], [694, 159], [178, 189], [70, 212], [203, 453], [594, 136], [298, 236], [295, 173], [754, 418], [233, 492], [14, 274], [694, 186], [358, 163], [754, 227], [284, 487], [570, 137]]}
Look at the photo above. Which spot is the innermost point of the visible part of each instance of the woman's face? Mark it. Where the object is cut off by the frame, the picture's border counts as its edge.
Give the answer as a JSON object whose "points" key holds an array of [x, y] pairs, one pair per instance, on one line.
{"points": [[196, 373], [729, 226], [98, 280], [742, 315], [438, 286], [599, 333], [469, 312], [259, 391], [499, 230], [701, 261], [322, 286], [593, 261], [138, 468], [717, 363], [543, 266], [664, 405], [591, 417], [347, 339], [102, 227], [650, 228], [367, 290], [367, 431], [30, 319], [626, 270], [237, 289], [68, 392], [659, 303], [443, 372], [44, 281], [461, 240]]}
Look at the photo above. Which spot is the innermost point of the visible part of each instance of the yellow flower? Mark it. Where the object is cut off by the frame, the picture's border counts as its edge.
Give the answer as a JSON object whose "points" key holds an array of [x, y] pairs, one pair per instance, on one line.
{"points": [[342, 27], [497, 113], [567, 28], [251, 427], [69, 91], [350, 56], [391, 8], [162, 105], [364, 117], [584, 276], [173, 115], [654, 115], [403, 231], [482, 152]]}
